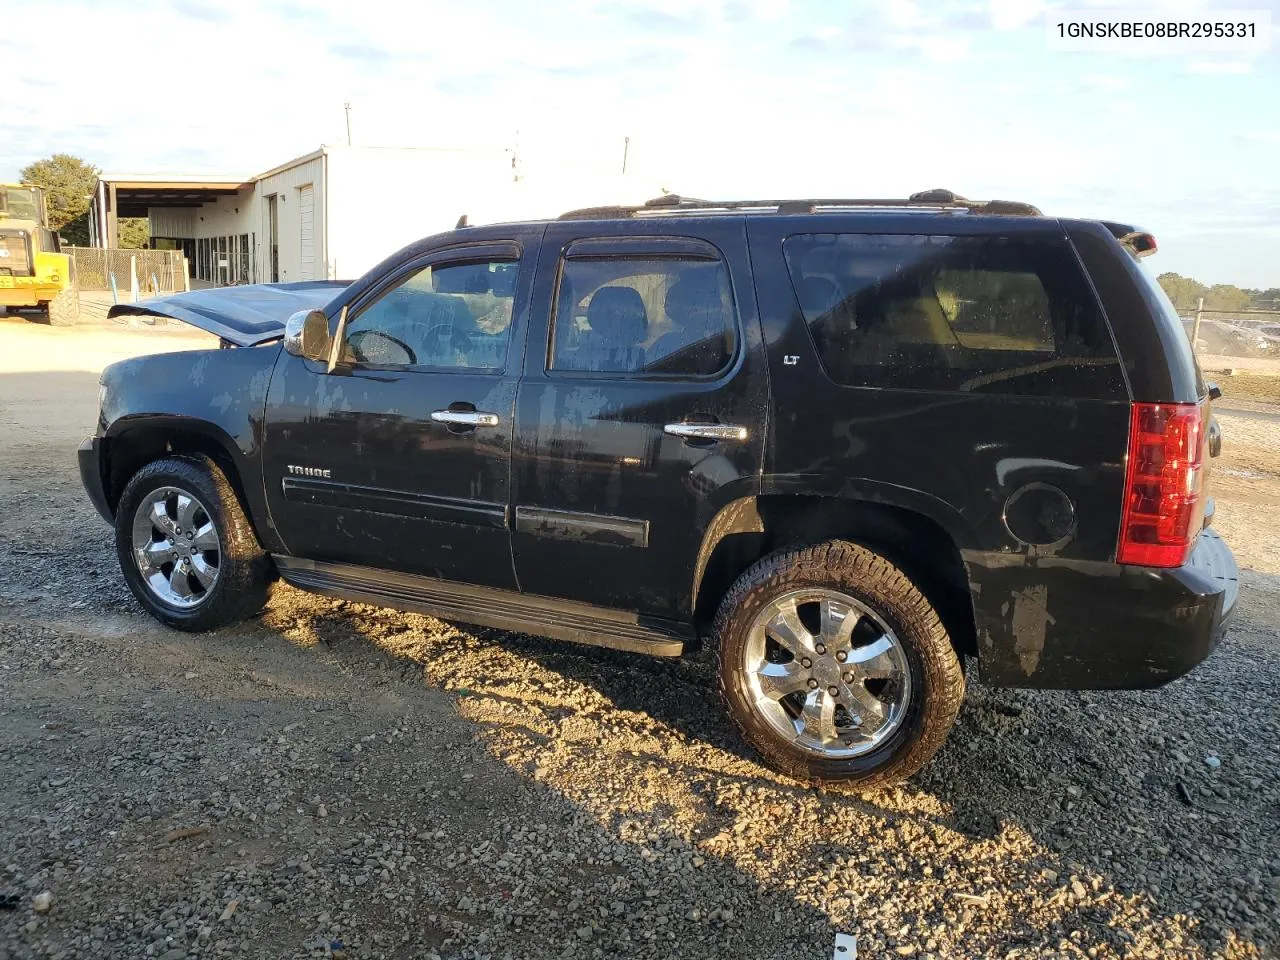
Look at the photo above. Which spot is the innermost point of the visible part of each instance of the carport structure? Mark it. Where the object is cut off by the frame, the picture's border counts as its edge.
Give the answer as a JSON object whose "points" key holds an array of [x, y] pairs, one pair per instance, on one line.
{"points": [[136, 195]]}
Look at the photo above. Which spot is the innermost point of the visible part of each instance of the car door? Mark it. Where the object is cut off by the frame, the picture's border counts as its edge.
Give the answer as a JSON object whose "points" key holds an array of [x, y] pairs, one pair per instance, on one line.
{"points": [[399, 459], [641, 413]]}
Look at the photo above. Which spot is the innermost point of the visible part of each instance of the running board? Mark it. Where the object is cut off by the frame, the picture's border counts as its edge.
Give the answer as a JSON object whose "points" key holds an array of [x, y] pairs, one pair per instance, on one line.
{"points": [[488, 606]]}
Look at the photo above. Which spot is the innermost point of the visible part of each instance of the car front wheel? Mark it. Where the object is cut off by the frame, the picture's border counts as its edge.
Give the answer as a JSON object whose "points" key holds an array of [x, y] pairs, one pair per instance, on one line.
{"points": [[187, 549], [836, 667]]}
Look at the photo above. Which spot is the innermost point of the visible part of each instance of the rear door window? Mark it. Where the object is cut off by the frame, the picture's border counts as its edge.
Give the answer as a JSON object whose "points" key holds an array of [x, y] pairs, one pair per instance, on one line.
{"points": [[969, 314], [643, 316]]}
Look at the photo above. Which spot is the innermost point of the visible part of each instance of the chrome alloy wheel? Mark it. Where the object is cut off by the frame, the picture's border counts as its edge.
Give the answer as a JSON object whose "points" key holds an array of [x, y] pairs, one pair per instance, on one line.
{"points": [[827, 673], [176, 547]]}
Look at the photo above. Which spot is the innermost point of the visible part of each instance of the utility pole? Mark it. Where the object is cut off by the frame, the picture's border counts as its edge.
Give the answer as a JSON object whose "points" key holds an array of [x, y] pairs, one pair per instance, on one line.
{"points": [[347, 108], [626, 146]]}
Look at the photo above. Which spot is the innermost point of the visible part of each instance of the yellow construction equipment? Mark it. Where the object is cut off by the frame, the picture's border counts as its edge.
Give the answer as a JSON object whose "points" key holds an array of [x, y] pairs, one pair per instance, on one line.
{"points": [[34, 273]]}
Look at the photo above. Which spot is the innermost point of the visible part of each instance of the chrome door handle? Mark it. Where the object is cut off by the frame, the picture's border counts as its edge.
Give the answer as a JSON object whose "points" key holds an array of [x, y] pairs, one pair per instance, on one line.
{"points": [[465, 418], [706, 431]]}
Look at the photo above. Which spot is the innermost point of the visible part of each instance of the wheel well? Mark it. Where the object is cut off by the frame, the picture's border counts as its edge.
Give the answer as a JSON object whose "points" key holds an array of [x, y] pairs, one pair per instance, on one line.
{"points": [[917, 545], [132, 449]]}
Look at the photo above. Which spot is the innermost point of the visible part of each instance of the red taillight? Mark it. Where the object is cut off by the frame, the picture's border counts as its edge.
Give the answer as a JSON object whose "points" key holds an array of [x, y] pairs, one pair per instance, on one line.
{"points": [[1163, 484]]}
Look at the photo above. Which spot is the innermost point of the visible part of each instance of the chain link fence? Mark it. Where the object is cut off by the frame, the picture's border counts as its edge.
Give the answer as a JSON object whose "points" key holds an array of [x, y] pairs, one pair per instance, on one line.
{"points": [[159, 271]]}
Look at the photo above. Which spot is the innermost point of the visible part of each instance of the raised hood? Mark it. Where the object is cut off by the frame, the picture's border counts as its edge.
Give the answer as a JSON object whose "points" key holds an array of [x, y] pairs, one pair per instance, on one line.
{"points": [[246, 315]]}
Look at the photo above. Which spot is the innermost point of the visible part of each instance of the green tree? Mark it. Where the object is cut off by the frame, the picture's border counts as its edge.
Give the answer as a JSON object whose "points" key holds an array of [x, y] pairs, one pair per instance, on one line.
{"points": [[76, 233], [135, 233], [1226, 296], [1183, 291], [69, 183], [1265, 299]]}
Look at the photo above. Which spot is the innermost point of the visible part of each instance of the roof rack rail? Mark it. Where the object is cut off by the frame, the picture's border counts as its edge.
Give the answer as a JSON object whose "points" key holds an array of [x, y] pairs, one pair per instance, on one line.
{"points": [[672, 203]]}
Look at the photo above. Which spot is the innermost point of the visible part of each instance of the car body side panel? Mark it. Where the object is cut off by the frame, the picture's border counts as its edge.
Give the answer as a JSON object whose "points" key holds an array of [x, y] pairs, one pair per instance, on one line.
{"points": [[219, 394], [1155, 351], [964, 460]]}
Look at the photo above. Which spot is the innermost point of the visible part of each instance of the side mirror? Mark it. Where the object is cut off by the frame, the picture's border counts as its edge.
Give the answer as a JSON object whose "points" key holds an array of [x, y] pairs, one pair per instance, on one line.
{"points": [[1215, 391], [306, 335]]}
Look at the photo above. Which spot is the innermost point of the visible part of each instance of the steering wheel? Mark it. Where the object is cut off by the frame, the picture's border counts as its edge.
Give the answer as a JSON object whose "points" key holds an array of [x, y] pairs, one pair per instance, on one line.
{"points": [[363, 355]]}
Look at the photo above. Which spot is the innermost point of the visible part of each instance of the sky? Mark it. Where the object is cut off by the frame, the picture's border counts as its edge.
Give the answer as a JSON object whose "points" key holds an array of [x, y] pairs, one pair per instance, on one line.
{"points": [[721, 99]]}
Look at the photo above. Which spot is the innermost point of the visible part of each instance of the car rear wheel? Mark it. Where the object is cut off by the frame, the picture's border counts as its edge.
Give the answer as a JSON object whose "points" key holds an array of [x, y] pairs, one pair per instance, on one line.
{"points": [[186, 548], [836, 667]]}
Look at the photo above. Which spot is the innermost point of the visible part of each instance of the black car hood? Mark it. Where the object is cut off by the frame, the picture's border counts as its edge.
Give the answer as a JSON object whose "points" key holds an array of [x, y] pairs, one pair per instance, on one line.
{"points": [[245, 315]]}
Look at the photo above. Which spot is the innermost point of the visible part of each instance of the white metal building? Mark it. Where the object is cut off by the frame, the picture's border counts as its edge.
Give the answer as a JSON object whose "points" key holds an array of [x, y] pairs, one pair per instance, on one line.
{"points": [[334, 213]]}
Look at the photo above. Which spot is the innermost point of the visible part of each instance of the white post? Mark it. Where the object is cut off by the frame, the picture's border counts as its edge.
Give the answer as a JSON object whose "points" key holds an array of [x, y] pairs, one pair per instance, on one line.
{"points": [[186, 275], [1195, 327], [133, 276], [103, 239]]}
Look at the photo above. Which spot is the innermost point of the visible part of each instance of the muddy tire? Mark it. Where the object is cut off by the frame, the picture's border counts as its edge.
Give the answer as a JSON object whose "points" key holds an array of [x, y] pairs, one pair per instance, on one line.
{"points": [[187, 549], [836, 667], [64, 309]]}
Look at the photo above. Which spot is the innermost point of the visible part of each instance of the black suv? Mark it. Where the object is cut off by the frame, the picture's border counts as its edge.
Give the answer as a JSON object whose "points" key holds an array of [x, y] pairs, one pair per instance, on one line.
{"points": [[851, 442]]}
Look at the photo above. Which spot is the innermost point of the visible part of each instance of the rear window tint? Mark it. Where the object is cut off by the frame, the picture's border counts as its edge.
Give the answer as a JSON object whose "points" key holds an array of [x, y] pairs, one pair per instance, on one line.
{"points": [[972, 314]]}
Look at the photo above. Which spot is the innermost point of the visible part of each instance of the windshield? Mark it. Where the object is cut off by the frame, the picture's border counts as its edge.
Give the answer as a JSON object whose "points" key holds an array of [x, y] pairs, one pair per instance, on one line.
{"points": [[20, 203]]}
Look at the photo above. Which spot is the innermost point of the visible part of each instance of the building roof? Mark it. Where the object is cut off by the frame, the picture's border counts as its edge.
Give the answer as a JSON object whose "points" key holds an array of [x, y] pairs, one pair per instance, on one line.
{"points": [[137, 192]]}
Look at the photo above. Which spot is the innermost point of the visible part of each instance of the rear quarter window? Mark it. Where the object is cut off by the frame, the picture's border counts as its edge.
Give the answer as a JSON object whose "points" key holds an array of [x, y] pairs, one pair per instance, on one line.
{"points": [[968, 314]]}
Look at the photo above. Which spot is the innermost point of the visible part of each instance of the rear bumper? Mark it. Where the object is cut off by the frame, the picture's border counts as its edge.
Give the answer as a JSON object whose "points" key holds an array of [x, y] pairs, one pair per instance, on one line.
{"points": [[91, 476], [1078, 625]]}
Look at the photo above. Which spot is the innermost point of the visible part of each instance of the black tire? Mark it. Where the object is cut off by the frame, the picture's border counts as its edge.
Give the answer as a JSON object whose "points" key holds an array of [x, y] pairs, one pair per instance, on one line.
{"points": [[245, 571], [937, 679], [64, 309]]}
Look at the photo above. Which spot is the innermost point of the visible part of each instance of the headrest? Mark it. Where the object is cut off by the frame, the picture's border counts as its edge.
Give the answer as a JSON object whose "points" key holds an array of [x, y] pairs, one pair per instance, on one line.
{"points": [[617, 315], [694, 300], [502, 282], [817, 295]]}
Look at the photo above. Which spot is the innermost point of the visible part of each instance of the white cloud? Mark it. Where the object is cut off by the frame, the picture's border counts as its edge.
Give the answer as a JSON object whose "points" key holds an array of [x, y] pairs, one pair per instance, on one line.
{"points": [[720, 98], [1219, 67], [1106, 81], [1016, 14]]}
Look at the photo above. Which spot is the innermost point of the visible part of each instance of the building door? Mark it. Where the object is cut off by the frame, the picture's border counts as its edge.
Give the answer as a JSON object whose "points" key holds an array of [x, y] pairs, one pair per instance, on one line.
{"points": [[273, 238], [307, 221]]}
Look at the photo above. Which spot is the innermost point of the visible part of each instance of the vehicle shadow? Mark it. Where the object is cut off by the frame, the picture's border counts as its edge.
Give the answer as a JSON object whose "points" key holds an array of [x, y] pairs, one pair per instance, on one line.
{"points": [[1057, 814], [1114, 791]]}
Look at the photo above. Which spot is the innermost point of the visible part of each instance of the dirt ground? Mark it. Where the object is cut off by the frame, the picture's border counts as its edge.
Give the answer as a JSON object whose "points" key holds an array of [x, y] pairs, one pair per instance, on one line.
{"points": [[338, 780]]}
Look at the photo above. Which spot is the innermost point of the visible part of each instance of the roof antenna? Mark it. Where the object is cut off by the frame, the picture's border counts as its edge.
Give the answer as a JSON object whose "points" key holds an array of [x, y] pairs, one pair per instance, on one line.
{"points": [[462, 222], [347, 108]]}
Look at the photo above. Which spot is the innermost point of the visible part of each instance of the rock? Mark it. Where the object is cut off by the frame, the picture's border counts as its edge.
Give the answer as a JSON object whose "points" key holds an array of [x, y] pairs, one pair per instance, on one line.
{"points": [[1212, 762], [42, 902], [1079, 889], [584, 933]]}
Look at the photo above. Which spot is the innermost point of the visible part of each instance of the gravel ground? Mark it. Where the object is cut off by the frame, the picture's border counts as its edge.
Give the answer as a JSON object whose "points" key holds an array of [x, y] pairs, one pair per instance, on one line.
{"points": [[339, 780]]}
